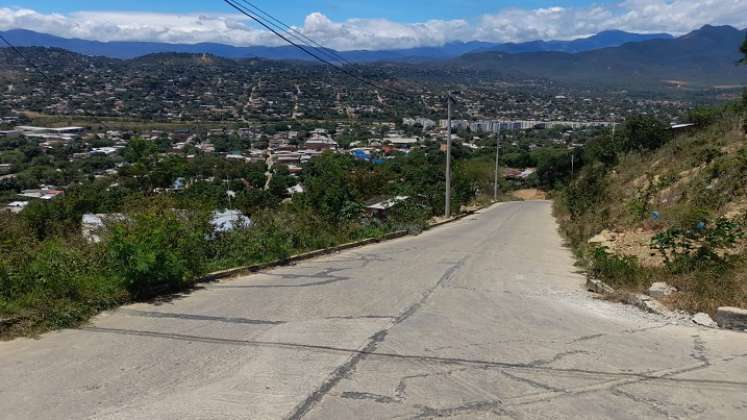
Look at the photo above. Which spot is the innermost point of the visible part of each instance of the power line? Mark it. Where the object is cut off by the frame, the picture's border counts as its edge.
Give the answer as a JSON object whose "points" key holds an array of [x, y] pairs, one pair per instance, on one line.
{"points": [[299, 35], [306, 50], [330, 52], [44, 76]]}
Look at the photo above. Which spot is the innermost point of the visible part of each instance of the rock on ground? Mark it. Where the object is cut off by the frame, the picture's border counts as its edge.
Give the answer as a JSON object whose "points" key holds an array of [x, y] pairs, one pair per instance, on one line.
{"points": [[660, 290], [704, 320], [732, 318]]}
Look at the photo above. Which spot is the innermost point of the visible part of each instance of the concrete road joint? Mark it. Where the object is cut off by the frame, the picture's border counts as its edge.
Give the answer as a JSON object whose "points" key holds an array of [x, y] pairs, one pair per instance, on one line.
{"points": [[483, 364]]}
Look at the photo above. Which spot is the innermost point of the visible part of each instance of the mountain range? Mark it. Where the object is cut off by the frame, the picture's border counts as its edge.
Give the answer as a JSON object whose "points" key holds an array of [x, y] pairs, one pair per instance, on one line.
{"points": [[706, 57], [128, 49]]}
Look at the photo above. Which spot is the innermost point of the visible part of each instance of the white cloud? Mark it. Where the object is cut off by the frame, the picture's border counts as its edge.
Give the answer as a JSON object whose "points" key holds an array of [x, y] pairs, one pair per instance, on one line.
{"points": [[382, 33], [513, 24], [139, 26]]}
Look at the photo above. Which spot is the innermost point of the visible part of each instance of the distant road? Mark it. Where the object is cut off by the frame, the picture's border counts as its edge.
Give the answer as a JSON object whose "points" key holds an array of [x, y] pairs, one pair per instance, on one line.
{"points": [[484, 318]]}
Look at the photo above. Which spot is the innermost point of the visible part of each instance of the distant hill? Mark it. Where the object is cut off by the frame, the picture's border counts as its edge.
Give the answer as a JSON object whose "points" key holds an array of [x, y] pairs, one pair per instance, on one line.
{"points": [[126, 49], [706, 56], [604, 39]]}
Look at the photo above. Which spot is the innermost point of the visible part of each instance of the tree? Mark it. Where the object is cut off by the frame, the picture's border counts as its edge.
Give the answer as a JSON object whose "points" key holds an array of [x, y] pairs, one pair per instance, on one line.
{"points": [[601, 149], [644, 132], [743, 50], [139, 150], [327, 189], [553, 166]]}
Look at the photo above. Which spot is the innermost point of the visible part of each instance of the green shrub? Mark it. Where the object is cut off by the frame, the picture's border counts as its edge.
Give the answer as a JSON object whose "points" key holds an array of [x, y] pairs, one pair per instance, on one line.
{"points": [[266, 240], [157, 250], [700, 246], [410, 215], [618, 271], [57, 284], [640, 205], [587, 192]]}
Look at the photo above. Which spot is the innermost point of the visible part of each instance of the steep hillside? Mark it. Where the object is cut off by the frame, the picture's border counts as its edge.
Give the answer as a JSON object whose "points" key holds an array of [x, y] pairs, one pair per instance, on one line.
{"points": [[676, 214]]}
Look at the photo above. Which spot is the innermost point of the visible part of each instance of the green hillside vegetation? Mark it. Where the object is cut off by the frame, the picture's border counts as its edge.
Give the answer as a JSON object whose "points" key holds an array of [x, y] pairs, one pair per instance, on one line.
{"points": [[649, 206], [162, 242]]}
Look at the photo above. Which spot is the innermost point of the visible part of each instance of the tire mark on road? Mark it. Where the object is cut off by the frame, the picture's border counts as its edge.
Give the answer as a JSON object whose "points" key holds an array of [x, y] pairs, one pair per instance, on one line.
{"points": [[192, 317], [533, 382], [556, 358], [384, 399], [470, 407]]}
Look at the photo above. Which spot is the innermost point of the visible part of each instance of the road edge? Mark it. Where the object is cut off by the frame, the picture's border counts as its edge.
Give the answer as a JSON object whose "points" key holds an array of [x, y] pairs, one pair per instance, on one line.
{"points": [[250, 269]]}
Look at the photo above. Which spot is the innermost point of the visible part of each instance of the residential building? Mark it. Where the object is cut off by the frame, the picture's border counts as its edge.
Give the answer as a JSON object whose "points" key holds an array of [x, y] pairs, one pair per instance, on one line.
{"points": [[46, 192]]}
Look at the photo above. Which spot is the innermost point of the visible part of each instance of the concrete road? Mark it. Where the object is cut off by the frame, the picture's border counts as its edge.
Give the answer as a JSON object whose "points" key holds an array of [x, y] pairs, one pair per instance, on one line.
{"points": [[484, 318]]}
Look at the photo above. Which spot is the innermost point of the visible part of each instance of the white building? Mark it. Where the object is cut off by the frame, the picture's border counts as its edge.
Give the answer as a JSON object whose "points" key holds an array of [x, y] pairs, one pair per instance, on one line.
{"points": [[59, 133], [16, 206]]}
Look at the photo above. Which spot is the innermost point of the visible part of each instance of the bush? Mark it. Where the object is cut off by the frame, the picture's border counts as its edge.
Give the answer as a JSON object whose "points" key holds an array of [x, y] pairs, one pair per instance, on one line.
{"points": [[587, 192], [158, 250], [266, 240], [410, 215], [618, 271], [640, 205], [56, 283], [700, 246]]}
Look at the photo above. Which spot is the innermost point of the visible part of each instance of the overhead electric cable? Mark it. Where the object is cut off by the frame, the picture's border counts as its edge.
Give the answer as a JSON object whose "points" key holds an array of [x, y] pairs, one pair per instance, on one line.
{"points": [[308, 51], [299, 35]]}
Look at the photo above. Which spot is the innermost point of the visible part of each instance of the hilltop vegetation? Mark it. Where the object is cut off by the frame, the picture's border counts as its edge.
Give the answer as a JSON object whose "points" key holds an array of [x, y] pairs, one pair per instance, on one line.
{"points": [[650, 207]]}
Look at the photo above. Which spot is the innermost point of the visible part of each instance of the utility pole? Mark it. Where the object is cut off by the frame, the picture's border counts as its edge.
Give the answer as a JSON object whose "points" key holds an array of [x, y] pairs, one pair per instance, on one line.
{"points": [[573, 155], [573, 159], [497, 157], [448, 159]]}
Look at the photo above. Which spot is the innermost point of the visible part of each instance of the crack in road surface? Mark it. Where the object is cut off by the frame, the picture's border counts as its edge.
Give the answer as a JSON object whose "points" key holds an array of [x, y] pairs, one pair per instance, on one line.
{"points": [[481, 364], [347, 367], [401, 329]]}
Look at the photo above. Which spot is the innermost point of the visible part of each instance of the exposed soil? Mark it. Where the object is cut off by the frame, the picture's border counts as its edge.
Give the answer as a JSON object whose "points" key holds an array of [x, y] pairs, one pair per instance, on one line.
{"points": [[530, 194]]}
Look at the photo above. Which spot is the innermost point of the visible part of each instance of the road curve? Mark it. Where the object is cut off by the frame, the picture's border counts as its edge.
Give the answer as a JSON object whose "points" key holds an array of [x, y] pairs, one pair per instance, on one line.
{"points": [[483, 318]]}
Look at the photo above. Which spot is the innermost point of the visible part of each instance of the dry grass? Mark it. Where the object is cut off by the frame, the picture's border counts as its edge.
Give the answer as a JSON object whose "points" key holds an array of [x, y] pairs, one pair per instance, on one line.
{"points": [[692, 178]]}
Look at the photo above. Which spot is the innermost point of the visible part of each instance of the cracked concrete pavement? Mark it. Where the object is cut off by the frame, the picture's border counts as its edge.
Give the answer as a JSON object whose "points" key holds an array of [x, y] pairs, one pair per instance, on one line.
{"points": [[483, 318]]}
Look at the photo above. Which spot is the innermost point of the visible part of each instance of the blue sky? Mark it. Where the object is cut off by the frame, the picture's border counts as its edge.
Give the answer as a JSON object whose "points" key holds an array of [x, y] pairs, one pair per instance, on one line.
{"points": [[294, 11], [359, 24]]}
